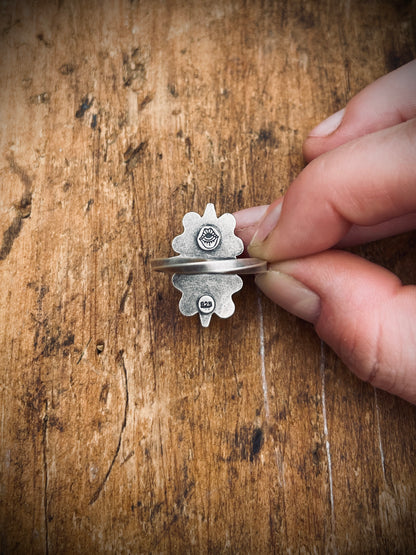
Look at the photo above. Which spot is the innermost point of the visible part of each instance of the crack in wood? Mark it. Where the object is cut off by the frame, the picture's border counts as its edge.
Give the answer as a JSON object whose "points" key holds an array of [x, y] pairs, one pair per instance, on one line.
{"points": [[23, 208], [262, 360], [9, 237], [380, 443], [126, 292], [98, 491], [134, 156], [85, 105], [84, 351], [327, 444], [45, 473]]}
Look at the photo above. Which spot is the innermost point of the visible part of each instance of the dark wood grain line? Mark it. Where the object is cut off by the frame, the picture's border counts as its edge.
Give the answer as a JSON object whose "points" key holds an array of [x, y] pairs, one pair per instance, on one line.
{"points": [[98, 491]]}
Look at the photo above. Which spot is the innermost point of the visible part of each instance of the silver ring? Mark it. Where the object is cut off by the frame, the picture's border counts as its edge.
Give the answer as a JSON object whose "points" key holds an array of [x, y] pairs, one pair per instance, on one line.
{"points": [[181, 265], [205, 272]]}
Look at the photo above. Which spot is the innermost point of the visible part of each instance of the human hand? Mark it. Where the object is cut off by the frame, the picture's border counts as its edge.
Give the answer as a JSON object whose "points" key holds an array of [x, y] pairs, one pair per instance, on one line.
{"points": [[360, 185]]}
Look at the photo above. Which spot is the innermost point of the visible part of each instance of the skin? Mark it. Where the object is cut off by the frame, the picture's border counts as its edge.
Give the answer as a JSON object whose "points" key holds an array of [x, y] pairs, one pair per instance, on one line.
{"points": [[359, 185]]}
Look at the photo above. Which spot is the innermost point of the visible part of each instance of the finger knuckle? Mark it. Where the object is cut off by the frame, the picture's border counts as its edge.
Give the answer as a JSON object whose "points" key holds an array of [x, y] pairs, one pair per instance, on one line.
{"points": [[366, 356]]}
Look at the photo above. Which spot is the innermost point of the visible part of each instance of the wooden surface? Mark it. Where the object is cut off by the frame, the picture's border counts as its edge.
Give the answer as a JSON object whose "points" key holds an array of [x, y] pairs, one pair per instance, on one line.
{"points": [[126, 427]]}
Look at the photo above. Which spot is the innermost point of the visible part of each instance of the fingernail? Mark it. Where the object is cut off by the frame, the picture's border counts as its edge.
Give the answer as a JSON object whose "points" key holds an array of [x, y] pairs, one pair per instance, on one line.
{"points": [[290, 294], [249, 217], [247, 221], [266, 224], [329, 125]]}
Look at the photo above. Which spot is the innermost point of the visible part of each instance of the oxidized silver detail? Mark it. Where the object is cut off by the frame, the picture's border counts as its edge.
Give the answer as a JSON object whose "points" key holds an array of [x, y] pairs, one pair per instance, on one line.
{"points": [[206, 304], [208, 238]]}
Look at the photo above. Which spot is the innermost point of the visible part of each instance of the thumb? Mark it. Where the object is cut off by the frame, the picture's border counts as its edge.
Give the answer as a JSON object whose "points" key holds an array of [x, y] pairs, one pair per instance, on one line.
{"points": [[361, 310]]}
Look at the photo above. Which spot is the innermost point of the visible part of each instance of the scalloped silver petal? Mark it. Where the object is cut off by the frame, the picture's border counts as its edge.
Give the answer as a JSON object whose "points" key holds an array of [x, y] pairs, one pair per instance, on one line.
{"points": [[214, 290], [208, 236]]}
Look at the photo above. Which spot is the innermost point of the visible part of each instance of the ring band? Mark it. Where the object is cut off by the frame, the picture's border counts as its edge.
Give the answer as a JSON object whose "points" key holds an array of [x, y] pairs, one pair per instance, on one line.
{"points": [[181, 265]]}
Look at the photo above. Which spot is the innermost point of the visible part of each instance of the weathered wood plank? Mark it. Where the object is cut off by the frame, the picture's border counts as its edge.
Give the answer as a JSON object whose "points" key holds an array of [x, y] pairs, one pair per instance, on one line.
{"points": [[124, 426]]}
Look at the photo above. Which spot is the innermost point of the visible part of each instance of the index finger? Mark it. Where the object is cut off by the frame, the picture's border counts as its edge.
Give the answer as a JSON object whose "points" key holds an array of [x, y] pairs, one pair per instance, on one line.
{"points": [[388, 101], [364, 182]]}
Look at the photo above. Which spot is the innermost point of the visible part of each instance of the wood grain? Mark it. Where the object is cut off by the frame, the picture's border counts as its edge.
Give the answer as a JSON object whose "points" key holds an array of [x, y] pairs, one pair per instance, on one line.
{"points": [[126, 427]]}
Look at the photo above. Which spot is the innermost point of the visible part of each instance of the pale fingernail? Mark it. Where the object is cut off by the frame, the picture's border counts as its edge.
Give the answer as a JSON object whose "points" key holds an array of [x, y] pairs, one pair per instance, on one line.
{"points": [[290, 294], [267, 224], [329, 125]]}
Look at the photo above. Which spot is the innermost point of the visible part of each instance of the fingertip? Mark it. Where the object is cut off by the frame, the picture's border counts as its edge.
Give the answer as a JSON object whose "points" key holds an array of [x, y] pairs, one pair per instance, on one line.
{"points": [[249, 216], [312, 148], [321, 135], [290, 294], [328, 126], [259, 244], [247, 221], [388, 101]]}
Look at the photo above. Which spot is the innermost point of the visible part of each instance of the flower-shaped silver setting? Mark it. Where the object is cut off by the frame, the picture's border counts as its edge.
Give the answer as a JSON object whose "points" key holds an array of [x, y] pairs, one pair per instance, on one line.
{"points": [[207, 237], [207, 266]]}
